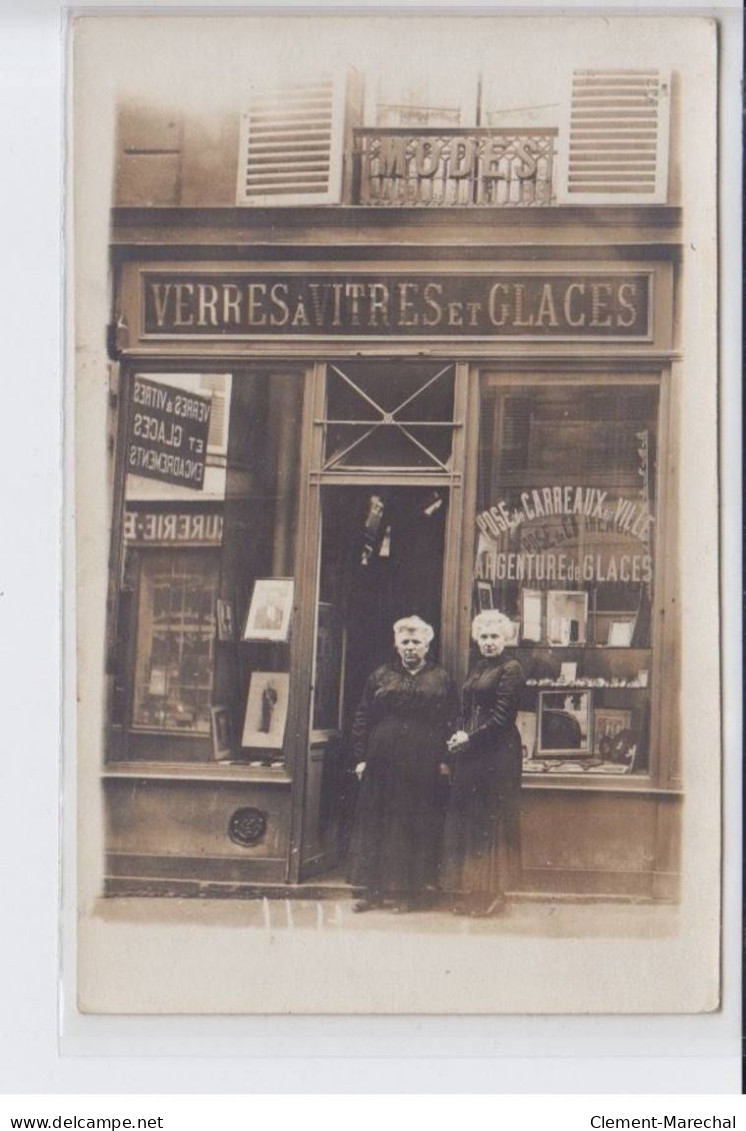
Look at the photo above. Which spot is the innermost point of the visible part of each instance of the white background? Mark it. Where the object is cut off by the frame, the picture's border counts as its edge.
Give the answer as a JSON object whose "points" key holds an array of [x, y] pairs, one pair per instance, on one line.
{"points": [[146, 1055]]}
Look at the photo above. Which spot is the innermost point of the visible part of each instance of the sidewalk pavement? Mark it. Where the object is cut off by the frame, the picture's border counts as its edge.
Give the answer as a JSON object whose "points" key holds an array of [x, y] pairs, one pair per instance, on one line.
{"points": [[538, 918]]}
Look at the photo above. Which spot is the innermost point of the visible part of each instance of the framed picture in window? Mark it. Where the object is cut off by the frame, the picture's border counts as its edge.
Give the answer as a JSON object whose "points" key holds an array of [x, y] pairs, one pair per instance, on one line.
{"points": [[567, 617], [266, 711], [223, 739], [531, 614], [270, 610], [484, 596], [620, 633], [607, 723], [564, 723], [226, 620]]}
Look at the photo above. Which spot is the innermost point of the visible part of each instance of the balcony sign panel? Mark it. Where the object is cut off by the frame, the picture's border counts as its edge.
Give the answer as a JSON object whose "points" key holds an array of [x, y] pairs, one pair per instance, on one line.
{"points": [[610, 306], [455, 167]]}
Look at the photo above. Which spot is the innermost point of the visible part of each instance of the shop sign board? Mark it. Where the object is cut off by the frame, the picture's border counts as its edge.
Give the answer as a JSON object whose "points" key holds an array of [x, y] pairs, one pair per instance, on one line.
{"points": [[597, 305], [167, 434]]}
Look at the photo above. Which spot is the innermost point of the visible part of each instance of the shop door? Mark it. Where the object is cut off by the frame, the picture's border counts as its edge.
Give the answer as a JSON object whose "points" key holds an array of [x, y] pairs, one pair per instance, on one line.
{"points": [[381, 558]]}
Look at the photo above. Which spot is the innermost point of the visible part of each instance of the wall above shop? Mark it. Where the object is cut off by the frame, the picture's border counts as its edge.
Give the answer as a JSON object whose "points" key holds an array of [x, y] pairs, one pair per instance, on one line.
{"points": [[327, 142]]}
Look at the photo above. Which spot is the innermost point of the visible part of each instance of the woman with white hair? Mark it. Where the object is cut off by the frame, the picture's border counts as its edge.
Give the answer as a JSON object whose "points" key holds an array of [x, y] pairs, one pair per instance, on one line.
{"points": [[407, 711], [481, 843]]}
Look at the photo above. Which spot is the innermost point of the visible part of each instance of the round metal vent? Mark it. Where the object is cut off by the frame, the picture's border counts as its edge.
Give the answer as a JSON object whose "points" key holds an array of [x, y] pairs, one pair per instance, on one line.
{"points": [[247, 826]]}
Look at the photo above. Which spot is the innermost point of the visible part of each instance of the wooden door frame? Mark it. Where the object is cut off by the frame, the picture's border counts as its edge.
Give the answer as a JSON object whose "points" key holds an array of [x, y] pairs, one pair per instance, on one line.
{"points": [[313, 479]]}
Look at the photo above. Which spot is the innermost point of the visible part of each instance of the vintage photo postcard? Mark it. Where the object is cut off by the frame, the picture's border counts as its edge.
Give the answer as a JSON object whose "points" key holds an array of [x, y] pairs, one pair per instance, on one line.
{"points": [[394, 356]]}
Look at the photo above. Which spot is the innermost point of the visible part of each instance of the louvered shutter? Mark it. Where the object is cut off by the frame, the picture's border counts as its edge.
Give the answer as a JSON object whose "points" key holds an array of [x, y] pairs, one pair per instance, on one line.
{"points": [[291, 149], [614, 145]]}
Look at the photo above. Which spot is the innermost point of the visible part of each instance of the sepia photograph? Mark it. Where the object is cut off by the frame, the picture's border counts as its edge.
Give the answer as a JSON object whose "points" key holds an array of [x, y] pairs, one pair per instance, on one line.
{"points": [[411, 342], [266, 711], [268, 616], [226, 620], [222, 733]]}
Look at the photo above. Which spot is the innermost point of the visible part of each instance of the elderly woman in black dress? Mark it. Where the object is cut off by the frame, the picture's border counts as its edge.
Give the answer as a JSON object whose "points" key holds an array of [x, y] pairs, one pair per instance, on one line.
{"points": [[407, 711], [481, 842]]}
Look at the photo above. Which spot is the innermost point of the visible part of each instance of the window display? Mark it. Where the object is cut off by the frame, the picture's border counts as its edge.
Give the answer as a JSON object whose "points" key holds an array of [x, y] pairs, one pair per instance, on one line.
{"points": [[175, 641], [565, 522], [207, 590]]}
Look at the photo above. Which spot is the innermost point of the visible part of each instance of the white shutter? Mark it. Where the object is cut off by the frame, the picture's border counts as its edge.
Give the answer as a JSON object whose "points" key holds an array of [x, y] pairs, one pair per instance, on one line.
{"points": [[291, 147], [614, 144]]}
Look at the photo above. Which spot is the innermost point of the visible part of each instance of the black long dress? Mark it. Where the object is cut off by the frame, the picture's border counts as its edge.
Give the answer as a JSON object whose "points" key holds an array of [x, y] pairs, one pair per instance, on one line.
{"points": [[400, 732], [481, 842]]}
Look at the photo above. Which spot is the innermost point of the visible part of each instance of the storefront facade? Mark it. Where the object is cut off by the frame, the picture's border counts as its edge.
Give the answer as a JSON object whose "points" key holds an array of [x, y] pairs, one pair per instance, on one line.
{"points": [[410, 409]]}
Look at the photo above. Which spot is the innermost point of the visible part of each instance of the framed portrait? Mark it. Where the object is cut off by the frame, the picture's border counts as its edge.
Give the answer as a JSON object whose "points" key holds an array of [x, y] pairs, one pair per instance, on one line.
{"points": [[270, 610], [564, 723], [223, 742], [266, 711], [531, 614], [607, 723], [225, 619], [484, 596], [567, 617]]}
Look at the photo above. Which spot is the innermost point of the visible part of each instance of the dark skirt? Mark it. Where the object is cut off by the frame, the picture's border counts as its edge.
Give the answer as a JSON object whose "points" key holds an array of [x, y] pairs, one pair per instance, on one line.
{"points": [[398, 822], [481, 841]]}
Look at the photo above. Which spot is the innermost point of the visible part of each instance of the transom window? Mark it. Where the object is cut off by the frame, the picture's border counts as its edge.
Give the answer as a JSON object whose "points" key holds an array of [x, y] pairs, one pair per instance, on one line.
{"points": [[389, 415]]}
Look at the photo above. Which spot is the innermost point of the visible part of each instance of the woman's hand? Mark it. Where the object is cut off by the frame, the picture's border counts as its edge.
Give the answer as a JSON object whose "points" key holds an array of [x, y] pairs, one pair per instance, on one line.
{"points": [[458, 742], [360, 770]]}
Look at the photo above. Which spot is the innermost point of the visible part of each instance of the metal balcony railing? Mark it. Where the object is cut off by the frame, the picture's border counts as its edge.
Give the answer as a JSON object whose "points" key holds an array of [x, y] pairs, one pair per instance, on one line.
{"points": [[454, 167]]}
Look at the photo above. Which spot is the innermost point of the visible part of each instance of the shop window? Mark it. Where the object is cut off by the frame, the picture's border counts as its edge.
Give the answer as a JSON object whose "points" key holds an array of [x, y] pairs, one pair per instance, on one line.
{"points": [[197, 677], [566, 521], [175, 641], [398, 420]]}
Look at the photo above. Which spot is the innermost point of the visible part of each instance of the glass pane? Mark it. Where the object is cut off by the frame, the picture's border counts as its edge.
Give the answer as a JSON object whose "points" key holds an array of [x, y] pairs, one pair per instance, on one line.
{"points": [[175, 641], [388, 446], [565, 522], [244, 522], [587, 440], [378, 398]]}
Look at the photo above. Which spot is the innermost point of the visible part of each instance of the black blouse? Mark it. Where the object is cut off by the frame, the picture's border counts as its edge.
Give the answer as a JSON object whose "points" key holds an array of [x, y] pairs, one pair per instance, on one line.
{"points": [[398, 704], [490, 698]]}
